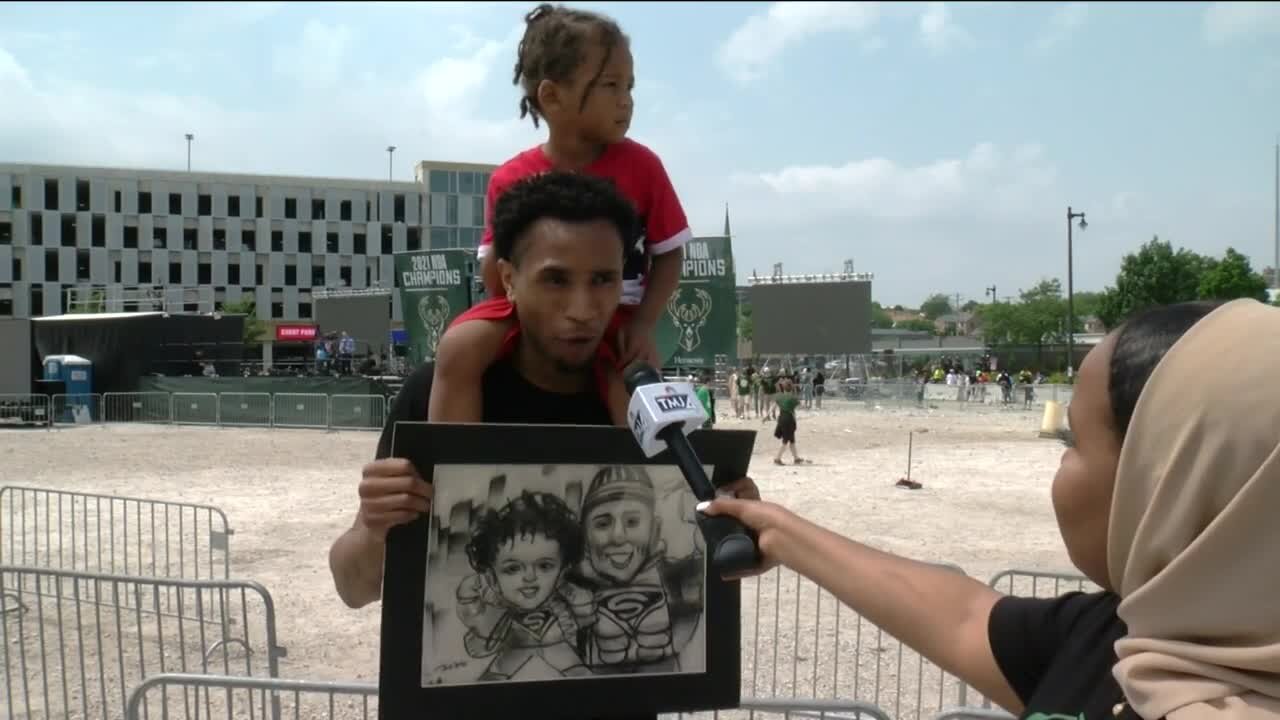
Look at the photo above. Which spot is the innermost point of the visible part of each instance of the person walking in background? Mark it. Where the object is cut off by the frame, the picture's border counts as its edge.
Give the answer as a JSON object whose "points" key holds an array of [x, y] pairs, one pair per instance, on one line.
{"points": [[819, 387], [785, 429], [735, 394], [806, 388], [346, 351], [707, 396], [768, 388], [754, 376]]}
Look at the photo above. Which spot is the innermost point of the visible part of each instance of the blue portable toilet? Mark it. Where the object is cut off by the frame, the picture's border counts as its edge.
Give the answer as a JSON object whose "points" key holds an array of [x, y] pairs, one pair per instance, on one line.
{"points": [[77, 375]]}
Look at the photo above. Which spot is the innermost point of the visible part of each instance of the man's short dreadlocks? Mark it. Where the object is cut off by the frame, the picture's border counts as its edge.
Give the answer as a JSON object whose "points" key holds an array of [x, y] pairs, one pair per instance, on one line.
{"points": [[554, 46]]}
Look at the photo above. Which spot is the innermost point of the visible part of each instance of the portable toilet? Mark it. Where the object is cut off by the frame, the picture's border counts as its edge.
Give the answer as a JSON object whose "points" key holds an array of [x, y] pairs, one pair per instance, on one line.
{"points": [[77, 375]]}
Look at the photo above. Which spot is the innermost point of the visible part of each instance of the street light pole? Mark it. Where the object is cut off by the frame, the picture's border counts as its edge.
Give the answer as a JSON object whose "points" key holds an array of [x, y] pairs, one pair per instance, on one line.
{"points": [[1071, 306], [190, 137], [391, 151]]}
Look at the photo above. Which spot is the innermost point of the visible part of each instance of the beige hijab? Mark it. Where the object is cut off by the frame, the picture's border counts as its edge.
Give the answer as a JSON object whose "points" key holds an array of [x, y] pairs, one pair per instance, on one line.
{"points": [[1194, 539]]}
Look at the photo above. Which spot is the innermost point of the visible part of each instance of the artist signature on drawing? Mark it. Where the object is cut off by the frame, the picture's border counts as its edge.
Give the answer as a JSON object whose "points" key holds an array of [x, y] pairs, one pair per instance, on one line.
{"points": [[450, 666]]}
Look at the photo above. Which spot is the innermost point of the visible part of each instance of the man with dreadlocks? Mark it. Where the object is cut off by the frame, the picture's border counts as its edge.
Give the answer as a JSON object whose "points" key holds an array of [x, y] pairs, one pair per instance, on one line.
{"points": [[575, 71]]}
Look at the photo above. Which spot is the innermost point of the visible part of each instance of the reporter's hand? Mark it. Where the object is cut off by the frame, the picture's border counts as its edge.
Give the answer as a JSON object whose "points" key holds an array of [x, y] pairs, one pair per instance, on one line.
{"points": [[743, 488], [391, 494], [771, 523]]}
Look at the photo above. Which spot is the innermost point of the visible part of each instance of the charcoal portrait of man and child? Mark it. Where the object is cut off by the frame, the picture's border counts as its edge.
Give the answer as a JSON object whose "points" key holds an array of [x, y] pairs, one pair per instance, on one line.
{"points": [[542, 572]]}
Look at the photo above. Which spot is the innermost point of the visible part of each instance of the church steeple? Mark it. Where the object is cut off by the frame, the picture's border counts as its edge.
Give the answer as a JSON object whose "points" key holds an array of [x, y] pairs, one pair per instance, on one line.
{"points": [[726, 220]]}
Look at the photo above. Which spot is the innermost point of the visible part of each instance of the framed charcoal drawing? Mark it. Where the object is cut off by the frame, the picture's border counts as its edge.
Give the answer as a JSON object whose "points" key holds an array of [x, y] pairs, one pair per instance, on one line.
{"points": [[560, 574]]}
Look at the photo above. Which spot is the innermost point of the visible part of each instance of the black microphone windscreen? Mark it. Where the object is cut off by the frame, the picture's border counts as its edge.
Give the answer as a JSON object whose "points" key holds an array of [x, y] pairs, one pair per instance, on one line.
{"points": [[639, 374]]}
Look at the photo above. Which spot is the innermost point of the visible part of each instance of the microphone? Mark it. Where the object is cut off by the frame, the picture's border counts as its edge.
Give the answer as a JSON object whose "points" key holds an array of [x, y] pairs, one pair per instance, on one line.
{"points": [[661, 414]]}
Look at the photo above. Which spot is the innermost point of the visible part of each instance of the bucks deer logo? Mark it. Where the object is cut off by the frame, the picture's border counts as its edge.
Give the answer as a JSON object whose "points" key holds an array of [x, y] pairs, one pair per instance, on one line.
{"points": [[433, 310], [690, 317]]}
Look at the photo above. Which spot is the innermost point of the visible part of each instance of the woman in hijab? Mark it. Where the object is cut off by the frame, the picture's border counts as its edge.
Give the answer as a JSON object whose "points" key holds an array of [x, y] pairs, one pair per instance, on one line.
{"points": [[1166, 497]]}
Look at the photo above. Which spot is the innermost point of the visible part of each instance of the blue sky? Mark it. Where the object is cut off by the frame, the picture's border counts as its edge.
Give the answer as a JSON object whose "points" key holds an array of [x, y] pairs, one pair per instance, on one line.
{"points": [[935, 144]]}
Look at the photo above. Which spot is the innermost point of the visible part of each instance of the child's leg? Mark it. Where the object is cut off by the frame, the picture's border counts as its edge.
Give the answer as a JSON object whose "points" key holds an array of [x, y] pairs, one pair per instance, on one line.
{"points": [[464, 353]]}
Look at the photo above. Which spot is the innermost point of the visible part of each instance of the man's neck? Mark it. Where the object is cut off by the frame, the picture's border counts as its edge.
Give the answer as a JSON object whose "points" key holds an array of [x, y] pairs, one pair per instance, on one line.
{"points": [[545, 376]]}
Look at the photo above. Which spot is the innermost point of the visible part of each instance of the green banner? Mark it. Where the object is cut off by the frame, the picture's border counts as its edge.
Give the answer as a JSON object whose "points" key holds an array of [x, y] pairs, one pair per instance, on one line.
{"points": [[434, 289], [701, 321]]}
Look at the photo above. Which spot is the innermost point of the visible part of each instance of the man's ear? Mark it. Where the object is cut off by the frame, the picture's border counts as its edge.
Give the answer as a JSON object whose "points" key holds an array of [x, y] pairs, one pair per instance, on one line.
{"points": [[507, 274]]}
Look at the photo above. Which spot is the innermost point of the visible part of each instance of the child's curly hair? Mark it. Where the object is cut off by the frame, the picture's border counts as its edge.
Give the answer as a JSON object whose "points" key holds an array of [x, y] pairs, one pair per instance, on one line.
{"points": [[529, 514], [554, 47]]}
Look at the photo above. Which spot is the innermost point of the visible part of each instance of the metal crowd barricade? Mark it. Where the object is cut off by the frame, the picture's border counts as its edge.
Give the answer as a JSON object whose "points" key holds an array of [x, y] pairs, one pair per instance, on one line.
{"points": [[24, 409], [300, 410], [833, 652], [72, 646], [64, 530], [83, 409], [245, 409], [1039, 583], [973, 713], [145, 407], [194, 408], [357, 412], [175, 695]]}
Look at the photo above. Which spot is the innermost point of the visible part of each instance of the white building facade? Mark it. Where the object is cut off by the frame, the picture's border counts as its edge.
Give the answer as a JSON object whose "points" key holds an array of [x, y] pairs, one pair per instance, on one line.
{"points": [[121, 232]]}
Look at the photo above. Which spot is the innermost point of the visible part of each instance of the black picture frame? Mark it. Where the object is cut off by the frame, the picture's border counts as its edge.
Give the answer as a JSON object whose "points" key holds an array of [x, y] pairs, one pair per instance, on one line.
{"points": [[401, 694]]}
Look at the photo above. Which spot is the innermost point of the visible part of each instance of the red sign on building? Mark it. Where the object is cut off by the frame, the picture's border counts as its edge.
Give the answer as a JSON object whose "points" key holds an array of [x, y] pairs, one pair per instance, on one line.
{"points": [[295, 333]]}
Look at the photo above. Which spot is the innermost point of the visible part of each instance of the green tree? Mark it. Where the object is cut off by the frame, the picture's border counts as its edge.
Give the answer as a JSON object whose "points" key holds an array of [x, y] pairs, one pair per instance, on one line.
{"points": [[1038, 318], [1155, 275], [745, 325], [1087, 304], [254, 328], [970, 306], [1232, 277], [879, 318], [935, 306], [919, 325]]}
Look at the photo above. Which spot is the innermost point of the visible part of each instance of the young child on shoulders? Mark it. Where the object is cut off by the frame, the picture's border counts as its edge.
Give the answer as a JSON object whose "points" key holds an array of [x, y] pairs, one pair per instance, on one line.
{"points": [[576, 72]]}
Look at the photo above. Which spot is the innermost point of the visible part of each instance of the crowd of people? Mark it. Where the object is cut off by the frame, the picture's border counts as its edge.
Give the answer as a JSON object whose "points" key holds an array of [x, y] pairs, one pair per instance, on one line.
{"points": [[1163, 494]]}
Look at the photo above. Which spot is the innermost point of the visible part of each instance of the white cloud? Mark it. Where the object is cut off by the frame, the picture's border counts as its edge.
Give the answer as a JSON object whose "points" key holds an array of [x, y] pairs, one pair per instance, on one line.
{"points": [[938, 32], [315, 59], [1225, 21], [11, 72], [1064, 21], [987, 181], [432, 111], [765, 36]]}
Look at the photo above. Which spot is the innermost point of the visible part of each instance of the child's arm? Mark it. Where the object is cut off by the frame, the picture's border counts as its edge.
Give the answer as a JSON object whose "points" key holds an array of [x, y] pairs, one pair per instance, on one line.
{"points": [[463, 355], [618, 399], [636, 340]]}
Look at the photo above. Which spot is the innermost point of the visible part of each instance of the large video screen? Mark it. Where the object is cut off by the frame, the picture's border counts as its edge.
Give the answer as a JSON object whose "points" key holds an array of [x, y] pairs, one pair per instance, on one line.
{"points": [[367, 318], [818, 318]]}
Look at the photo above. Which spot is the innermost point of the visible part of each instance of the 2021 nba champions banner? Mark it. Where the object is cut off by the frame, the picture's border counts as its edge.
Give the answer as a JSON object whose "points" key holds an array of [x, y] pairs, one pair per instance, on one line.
{"points": [[701, 320], [434, 289]]}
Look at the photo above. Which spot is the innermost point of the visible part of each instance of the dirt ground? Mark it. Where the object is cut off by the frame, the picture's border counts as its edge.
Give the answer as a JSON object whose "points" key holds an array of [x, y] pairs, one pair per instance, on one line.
{"points": [[984, 507]]}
